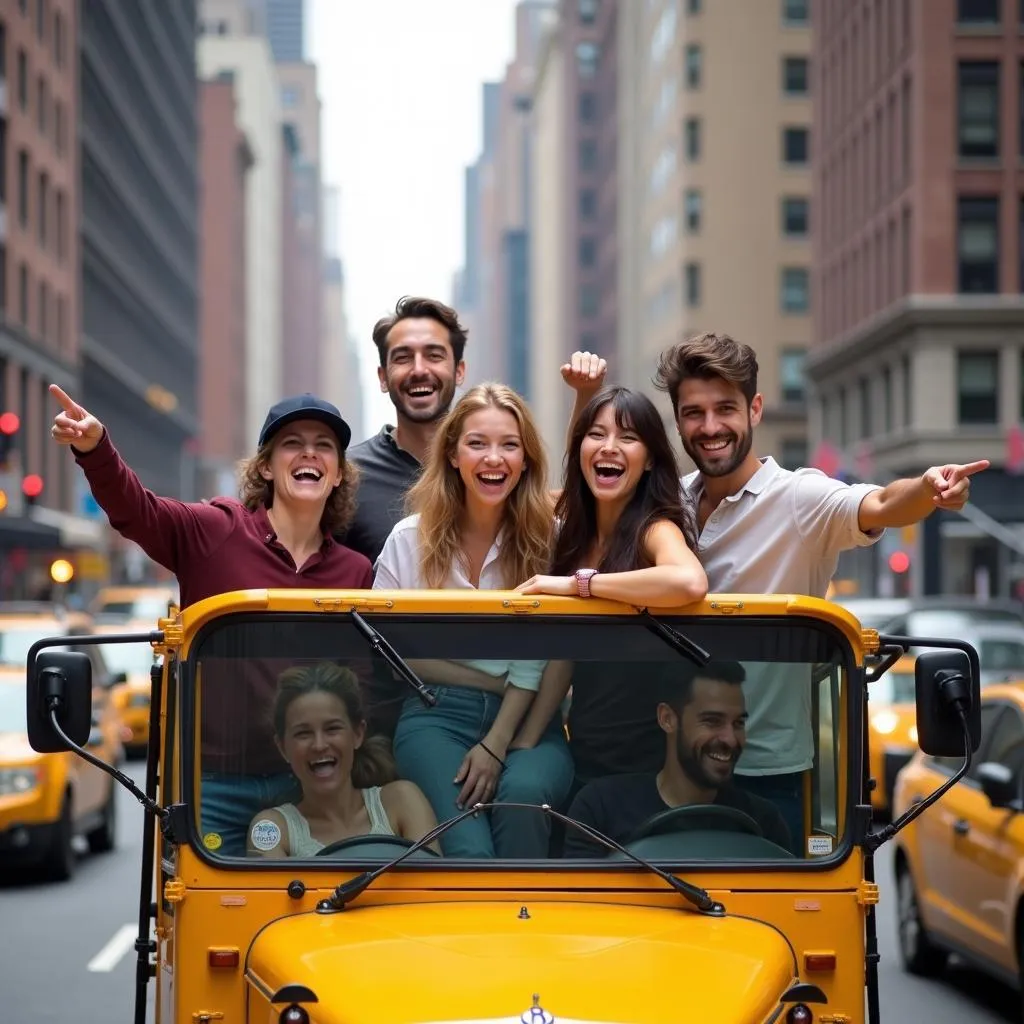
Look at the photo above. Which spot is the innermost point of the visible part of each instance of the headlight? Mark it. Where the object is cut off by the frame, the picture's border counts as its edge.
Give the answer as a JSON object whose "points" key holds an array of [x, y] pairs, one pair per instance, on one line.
{"points": [[18, 780], [913, 734], [885, 722]]}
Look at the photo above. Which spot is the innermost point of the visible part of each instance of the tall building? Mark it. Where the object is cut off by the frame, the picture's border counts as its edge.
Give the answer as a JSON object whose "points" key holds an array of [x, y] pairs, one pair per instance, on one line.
{"points": [[40, 269], [139, 213], [286, 29], [714, 192], [918, 234]]}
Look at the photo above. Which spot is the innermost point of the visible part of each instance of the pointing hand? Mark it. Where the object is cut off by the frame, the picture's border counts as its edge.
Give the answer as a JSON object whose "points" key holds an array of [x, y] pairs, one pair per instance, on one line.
{"points": [[75, 425]]}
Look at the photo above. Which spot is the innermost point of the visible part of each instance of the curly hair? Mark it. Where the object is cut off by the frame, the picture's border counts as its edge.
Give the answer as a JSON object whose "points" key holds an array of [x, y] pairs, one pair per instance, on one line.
{"points": [[256, 490], [439, 496]]}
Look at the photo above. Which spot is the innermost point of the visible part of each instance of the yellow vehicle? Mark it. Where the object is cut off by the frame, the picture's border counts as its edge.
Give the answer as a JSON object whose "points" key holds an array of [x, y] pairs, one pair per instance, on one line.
{"points": [[46, 799], [380, 928], [131, 697], [146, 601], [958, 867], [892, 729]]}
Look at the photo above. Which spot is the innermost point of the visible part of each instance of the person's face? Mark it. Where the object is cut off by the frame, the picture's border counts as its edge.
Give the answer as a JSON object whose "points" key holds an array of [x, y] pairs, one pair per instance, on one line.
{"points": [[304, 464], [612, 458], [320, 741], [715, 424], [420, 375], [489, 455], [710, 734]]}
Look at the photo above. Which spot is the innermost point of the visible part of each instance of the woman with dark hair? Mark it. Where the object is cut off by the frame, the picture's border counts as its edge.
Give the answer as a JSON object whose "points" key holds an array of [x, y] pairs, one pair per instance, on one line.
{"points": [[623, 534], [349, 783]]}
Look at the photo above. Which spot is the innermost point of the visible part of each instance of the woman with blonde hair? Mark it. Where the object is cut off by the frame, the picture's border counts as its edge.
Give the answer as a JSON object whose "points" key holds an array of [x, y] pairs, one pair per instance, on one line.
{"points": [[481, 518]]}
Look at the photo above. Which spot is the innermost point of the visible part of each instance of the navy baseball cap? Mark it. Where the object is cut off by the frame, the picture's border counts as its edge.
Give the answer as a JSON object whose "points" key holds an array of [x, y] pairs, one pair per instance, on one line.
{"points": [[305, 407]]}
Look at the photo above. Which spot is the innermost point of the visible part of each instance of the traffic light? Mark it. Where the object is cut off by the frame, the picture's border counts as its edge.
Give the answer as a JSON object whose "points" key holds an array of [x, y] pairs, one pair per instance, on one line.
{"points": [[32, 487], [9, 424]]}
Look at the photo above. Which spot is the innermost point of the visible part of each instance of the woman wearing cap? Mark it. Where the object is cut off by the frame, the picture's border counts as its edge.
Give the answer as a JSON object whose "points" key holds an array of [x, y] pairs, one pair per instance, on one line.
{"points": [[297, 492]]}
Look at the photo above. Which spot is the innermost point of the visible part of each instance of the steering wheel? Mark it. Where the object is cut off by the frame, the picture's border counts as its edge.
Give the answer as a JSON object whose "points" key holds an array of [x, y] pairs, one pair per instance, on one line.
{"points": [[354, 842], [692, 817]]}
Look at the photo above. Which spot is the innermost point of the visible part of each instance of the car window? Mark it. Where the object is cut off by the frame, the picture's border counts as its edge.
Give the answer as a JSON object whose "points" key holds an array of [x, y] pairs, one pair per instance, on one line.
{"points": [[1001, 655], [1006, 735]]}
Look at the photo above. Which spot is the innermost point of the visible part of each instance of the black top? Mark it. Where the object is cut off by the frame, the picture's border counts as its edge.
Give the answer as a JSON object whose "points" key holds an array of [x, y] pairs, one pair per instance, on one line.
{"points": [[618, 804], [386, 472]]}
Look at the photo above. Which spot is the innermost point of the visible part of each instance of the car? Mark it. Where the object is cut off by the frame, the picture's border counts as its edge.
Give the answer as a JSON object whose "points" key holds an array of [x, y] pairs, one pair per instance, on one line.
{"points": [[958, 865], [146, 601], [892, 730], [46, 800], [131, 697]]}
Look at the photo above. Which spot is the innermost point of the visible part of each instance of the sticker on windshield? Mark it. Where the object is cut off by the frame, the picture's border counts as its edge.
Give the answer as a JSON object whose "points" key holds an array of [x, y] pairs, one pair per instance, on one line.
{"points": [[265, 834], [212, 841], [819, 846]]}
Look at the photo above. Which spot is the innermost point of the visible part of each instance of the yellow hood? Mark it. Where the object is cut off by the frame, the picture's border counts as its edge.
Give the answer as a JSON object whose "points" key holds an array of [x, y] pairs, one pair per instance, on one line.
{"points": [[483, 962]]}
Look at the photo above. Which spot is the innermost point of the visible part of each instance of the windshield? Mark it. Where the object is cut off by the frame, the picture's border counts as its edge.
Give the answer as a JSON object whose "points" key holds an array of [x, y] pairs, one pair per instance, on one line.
{"points": [[12, 708], [151, 607], [739, 760], [15, 643]]}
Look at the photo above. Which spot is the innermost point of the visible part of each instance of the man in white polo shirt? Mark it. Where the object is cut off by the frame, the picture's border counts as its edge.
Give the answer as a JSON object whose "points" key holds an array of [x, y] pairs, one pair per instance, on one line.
{"points": [[767, 530]]}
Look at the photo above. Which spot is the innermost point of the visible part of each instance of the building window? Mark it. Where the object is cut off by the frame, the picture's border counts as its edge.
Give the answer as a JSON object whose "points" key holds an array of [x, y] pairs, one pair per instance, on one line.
{"points": [[793, 375], [692, 284], [588, 300], [978, 244], [23, 187], [977, 376], [291, 96], [42, 204], [588, 155], [887, 399], [42, 104], [44, 303], [588, 252], [62, 320], [865, 408], [58, 127], [3, 161], [588, 204], [587, 57], [62, 227], [795, 12], [41, 18], [908, 392], [796, 145], [796, 216], [587, 107], [977, 12], [694, 6], [59, 54], [796, 289], [22, 80], [587, 11], [978, 108], [793, 453], [23, 294], [693, 210], [693, 66], [795, 76], [692, 138]]}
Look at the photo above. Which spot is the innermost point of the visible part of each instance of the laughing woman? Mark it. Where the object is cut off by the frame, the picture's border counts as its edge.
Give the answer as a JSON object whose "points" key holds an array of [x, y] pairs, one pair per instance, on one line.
{"points": [[482, 519]]}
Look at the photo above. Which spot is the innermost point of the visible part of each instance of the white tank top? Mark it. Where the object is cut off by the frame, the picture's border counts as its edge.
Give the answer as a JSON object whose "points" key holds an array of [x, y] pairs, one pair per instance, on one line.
{"points": [[302, 844]]}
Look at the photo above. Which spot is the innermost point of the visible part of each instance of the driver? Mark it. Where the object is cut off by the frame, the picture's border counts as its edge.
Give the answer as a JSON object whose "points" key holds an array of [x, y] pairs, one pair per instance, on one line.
{"points": [[703, 716], [349, 783]]}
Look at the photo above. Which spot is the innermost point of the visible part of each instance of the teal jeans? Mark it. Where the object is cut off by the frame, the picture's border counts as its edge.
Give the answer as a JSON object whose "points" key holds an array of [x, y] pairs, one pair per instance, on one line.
{"points": [[430, 744]]}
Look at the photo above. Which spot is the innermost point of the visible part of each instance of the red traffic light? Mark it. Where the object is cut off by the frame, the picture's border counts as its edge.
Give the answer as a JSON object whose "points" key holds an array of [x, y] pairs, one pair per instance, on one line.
{"points": [[9, 423], [899, 561], [32, 485]]}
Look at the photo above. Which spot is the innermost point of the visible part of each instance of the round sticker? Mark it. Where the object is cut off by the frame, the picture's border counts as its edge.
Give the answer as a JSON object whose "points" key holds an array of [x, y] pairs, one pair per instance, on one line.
{"points": [[265, 834], [212, 841]]}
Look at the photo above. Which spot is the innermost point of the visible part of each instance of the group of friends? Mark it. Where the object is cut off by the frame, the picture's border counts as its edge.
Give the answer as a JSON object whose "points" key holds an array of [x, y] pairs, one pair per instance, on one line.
{"points": [[456, 494]]}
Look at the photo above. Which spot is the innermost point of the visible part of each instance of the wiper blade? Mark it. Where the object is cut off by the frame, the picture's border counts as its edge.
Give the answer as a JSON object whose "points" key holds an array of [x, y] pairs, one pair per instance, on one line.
{"points": [[393, 658], [348, 891], [683, 644]]}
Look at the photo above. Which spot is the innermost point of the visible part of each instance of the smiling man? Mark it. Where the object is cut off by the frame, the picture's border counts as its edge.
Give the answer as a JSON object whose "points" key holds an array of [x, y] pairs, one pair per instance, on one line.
{"points": [[703, 717], [420, 348]]}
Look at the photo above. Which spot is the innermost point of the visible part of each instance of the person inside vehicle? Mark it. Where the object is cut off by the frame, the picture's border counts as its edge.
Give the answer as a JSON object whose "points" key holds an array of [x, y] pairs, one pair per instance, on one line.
{"points": [[350, 786], [625, 535], [703, 717], [297, 490], [482, 520]]}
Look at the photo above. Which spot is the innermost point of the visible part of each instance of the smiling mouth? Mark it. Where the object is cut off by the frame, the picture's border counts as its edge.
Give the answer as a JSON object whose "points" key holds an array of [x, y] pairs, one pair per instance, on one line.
{"points": [[717, 445], [421, 391], [492, 479], [724, 758], [323, 766], [308, 473], [609, 470]]}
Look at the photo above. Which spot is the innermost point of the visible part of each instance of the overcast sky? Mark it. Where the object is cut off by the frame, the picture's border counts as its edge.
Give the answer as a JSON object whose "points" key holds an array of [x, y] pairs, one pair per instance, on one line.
{"points": [[400, 84]]}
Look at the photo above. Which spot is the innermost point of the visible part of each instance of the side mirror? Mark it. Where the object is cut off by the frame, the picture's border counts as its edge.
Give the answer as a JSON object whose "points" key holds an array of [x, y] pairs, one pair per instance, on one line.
{"points": [[939, 730], [67, 676], [996, 783]]}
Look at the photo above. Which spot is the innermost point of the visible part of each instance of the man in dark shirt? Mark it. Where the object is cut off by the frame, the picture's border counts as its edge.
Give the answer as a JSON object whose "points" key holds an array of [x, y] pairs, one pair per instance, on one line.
{"points": [[703, 716], [420, 347]]}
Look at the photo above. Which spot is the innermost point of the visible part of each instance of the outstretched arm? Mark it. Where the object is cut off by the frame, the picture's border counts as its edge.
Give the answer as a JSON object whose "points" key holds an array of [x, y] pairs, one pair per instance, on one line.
{"points": [[908, 501]]}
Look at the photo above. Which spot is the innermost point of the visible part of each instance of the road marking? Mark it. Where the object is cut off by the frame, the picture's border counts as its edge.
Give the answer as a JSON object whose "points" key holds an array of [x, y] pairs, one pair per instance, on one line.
{"points": [[116, 949]]}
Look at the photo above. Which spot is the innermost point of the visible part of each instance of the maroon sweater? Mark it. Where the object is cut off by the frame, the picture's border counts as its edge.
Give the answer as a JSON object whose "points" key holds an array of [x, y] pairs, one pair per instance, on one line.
{"points": [[214, 548]]}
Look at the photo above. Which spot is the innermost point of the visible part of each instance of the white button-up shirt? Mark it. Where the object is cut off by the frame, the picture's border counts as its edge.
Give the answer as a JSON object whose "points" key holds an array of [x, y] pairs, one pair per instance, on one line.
{"points": [[398, 568], [781, 533]]}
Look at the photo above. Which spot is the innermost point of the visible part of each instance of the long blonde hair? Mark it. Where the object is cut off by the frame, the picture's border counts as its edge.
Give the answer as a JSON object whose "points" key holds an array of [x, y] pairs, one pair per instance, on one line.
{"points": [[439, 496]]}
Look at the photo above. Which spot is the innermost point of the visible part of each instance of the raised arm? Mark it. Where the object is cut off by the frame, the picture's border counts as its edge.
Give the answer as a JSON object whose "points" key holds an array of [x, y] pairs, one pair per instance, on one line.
{"points": [[908, 501], [584, 373], [166, 529]]}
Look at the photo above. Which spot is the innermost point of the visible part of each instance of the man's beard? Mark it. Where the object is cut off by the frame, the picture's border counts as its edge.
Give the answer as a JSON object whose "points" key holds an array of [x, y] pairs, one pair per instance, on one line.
{"points": [[692, 763], [742, 443]]}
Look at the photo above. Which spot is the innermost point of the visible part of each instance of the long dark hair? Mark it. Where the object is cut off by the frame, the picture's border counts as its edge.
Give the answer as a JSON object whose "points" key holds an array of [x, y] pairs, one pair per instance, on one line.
{"points": [[657, 495]]}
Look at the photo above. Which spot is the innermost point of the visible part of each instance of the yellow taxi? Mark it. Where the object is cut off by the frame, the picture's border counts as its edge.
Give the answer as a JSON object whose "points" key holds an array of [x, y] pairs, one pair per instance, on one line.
{"points": [[960, 865], [131, 665], [46, 800], [145, 601], [892, 730]]}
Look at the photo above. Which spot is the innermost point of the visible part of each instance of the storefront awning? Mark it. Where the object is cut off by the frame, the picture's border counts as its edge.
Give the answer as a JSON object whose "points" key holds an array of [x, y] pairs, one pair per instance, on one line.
{"points": [[23, 532]]}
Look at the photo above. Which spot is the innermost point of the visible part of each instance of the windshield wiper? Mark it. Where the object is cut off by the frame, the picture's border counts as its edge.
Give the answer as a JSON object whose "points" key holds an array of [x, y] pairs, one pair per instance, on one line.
{"points": [[348, 891], [683, 644], [392, 657]]}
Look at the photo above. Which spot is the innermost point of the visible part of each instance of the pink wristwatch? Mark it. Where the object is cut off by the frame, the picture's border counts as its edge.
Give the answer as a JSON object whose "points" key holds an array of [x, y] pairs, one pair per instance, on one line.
{"points": [[583, 578]]}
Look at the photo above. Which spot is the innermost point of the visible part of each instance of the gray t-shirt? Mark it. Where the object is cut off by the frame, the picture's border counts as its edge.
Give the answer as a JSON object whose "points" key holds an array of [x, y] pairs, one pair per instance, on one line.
{"points": [[781, 533]]}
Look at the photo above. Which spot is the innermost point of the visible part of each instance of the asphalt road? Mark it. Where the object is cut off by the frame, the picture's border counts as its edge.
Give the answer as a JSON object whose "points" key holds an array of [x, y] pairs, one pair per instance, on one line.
{"points": [[67, 949]]}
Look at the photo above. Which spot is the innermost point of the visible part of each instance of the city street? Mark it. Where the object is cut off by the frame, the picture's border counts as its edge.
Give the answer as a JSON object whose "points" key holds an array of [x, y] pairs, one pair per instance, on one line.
{"points": [[68, 948]]}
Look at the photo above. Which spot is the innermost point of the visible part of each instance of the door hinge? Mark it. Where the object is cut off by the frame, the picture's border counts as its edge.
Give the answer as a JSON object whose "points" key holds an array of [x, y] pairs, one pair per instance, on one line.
{"points": [[727, 607], [867, 894], [174, 890], [521, 605], [339, 604], [203, 1016]]}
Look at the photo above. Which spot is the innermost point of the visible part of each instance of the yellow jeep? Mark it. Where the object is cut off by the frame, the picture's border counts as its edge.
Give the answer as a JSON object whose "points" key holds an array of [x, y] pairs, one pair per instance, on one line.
{"points": [[695, 916]]}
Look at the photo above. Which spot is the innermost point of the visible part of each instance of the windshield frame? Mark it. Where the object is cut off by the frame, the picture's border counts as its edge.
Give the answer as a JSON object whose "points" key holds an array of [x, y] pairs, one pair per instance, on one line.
{"points": [[849, 761]]}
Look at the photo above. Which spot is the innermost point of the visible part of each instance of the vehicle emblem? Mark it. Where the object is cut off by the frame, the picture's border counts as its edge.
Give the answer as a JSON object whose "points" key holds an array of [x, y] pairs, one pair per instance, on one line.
{"points": [[536, 1014]]}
